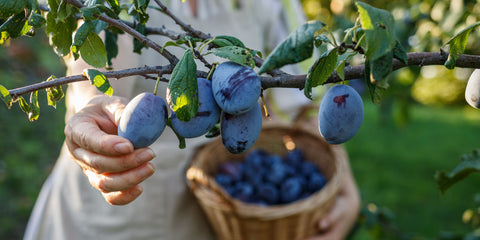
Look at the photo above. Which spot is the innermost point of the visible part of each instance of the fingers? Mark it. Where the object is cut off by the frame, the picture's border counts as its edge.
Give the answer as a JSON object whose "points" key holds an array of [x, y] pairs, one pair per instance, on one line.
{"points": [[95, 127], [87, 134], [123, 197], [99, 163], [120, 188], [335, 215], [112, 182]]}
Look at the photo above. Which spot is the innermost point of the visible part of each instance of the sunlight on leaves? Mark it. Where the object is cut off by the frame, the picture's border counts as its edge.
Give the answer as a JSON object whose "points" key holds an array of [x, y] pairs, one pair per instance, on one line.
{"points": [[182, 91], [457, 45], [99, 80]]}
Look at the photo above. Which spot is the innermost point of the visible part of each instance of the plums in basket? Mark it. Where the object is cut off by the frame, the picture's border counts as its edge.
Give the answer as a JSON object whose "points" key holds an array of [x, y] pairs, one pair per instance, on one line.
{"points": [[340, 114], [207, 116], [291, 189], [269, 179], [236, 88], [143, 119], [240, 132]]}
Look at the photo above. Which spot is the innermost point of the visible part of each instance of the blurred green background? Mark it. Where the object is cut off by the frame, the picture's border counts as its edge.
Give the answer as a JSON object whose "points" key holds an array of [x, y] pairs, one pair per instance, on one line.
{"points": [[27, 149], [422, 125]]}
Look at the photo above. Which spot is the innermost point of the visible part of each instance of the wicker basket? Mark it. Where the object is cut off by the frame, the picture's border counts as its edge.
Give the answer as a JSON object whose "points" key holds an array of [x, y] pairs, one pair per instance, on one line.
{"points": [[232, 219]]}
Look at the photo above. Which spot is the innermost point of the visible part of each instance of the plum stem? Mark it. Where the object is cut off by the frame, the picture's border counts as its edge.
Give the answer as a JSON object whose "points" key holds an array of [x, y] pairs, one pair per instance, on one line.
{"points": [[156, 85]]}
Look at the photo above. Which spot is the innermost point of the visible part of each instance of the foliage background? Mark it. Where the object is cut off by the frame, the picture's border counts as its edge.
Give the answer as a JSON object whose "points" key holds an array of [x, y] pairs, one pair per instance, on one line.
{"points": [[27, 149], [422, 125]]}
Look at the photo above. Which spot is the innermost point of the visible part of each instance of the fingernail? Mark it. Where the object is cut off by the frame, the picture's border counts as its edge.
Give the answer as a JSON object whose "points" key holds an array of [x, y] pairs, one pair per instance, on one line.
{"points": [[146, 171], [137, 191], [123, 147], [145, 156]]}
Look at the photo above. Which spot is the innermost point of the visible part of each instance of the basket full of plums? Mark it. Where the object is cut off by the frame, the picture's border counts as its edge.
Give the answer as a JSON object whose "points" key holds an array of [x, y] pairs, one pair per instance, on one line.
{"points": [[278, 189]]}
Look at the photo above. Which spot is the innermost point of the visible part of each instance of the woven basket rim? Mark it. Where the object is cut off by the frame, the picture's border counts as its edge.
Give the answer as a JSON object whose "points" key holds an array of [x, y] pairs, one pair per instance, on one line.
{"points": [[211, 194]]}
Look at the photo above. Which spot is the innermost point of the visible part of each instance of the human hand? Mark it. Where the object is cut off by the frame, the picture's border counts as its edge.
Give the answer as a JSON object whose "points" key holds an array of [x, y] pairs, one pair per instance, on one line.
{"points": [[110, 162], [339, 221]]}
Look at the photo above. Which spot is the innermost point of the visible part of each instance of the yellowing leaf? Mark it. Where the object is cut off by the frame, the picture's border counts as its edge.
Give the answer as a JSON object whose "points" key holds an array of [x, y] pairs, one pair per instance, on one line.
{"points": [[99, 80]]}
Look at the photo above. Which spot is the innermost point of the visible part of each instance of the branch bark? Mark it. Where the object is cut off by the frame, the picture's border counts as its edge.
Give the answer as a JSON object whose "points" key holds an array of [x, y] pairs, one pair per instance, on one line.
{"points": [[283, 80]]}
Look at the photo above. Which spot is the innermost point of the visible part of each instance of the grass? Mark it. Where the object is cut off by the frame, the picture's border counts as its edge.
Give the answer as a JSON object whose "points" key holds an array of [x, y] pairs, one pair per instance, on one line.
{"points": [[394, 166]]}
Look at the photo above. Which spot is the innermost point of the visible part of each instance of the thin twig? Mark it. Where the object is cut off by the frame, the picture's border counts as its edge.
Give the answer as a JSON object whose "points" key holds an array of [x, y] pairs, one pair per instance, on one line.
{"points": [[187, 28]]}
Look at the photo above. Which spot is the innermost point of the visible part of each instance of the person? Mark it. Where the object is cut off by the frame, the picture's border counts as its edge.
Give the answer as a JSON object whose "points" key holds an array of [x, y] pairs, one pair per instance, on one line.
{"points": [[97, 170]]}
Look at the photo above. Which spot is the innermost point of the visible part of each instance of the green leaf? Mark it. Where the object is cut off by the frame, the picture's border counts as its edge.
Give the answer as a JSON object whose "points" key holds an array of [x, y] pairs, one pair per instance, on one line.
{"points": [[320, 39], [60, 30], [137, 45], [99, 80], [36, 20], [457, 45], [224, 40], [24, 105], [400, 53], [320, 71], [297, 47], [64, 11], [15, 26], [376, 90], [54, 94], [469, 163], [109, 12], [141, 10], [11, 7], [80, 37], [236, 54], [341, 63], [111, 46], [93, 51], [378, 26], [182, 91], [90, 13], [5, 96], [115, 6], [32, 109], [380, 68], [35, 108]]}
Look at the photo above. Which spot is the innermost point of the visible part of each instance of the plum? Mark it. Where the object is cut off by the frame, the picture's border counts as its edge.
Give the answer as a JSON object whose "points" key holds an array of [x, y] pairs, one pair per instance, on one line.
{"points": [[143, 119], [236, 88], [472, 91], [268, 193], [207, 116], [240, 132], [290, 190], [340, 114], [233, 169]]}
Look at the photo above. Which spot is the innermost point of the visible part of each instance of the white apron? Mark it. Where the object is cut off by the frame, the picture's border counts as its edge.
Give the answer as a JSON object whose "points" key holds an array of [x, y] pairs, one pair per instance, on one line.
{"points": [[68, 207]]}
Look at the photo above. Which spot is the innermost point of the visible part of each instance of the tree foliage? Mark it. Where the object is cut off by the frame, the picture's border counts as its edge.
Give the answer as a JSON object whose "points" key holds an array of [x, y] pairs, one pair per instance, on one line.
{"points": [[372, 38]]}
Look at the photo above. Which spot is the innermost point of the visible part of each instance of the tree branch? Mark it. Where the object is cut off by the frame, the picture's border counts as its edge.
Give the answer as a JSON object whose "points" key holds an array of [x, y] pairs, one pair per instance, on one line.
{"points": [[140, 37], [159, 70], [284, 80], [354, 72]]}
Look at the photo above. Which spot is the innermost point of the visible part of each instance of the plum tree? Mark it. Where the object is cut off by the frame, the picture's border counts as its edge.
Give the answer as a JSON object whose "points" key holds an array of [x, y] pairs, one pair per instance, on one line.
{"points": [[472, 91], [143, 119], [236, 88], [340, 114], [207, 115], [240, 132]]}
